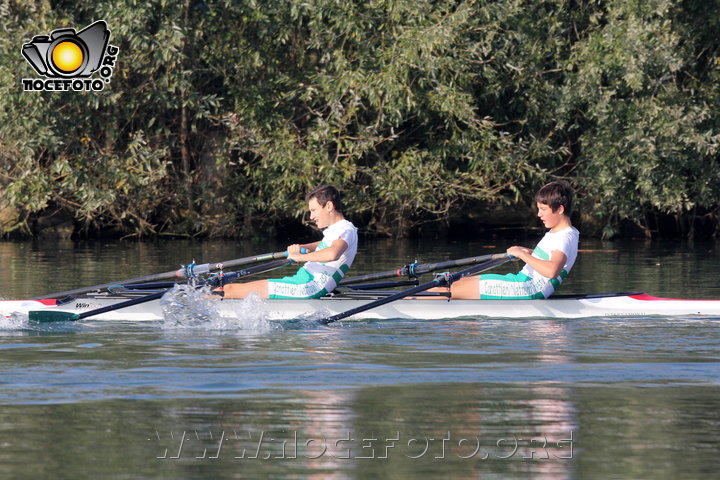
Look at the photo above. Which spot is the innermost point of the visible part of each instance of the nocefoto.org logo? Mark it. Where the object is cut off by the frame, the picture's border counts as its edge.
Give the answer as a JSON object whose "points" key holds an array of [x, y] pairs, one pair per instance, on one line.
{"points": [[67, 59]]}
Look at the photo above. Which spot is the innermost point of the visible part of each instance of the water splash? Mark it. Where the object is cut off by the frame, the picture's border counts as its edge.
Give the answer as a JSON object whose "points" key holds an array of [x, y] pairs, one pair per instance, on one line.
{"points": [[310, 320], [187, 307], [14, 321]]}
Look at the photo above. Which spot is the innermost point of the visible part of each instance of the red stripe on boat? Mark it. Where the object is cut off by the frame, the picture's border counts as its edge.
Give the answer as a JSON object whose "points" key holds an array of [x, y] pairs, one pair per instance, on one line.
{"points": [[650, 298], [46, 301]]}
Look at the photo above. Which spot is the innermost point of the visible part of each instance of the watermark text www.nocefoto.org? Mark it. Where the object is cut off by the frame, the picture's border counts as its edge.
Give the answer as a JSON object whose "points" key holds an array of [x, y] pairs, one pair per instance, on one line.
{"points": [[261, 445]]}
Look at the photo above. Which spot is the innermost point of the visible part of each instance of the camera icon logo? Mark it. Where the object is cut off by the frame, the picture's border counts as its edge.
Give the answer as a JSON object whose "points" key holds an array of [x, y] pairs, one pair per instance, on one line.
{"points": [[66, 55]]}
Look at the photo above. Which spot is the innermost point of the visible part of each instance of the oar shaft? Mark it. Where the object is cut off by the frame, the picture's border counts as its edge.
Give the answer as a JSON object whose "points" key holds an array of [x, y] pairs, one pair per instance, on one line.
{"points": [[78, 291], [192, 271], [180, 273], [265, 267], [232, 276], [440, 281], [54, 315], [378, 303], [258, 258], [416, 269]]}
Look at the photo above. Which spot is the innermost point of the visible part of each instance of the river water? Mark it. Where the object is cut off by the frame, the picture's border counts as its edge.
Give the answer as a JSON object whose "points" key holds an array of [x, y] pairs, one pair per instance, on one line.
{"points": [[596, 398]]}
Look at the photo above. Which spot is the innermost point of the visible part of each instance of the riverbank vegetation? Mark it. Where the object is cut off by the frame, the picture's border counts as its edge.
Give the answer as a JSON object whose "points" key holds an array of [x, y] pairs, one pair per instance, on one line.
{"points": [[432, 116]]}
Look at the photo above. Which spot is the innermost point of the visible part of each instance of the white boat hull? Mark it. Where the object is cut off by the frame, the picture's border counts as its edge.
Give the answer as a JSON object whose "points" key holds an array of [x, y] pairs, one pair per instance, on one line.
{"points": [[610, 305]]}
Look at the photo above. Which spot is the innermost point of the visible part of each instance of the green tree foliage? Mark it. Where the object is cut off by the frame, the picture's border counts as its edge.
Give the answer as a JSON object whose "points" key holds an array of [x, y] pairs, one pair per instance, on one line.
{"points": [[643, 82], [221, 114]]}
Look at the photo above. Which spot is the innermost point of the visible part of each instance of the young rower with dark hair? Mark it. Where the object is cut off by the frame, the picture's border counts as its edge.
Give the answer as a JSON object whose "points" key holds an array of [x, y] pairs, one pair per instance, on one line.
{"points": [[545, 266], [327, 260]]}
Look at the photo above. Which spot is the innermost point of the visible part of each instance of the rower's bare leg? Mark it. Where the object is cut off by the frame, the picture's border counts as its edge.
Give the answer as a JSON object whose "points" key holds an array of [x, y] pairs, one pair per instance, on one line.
{"points": [[467, 288], [242, 290]]}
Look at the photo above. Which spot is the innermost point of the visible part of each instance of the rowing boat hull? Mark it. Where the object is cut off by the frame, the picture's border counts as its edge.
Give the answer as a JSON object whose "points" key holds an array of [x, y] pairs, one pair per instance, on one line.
{"points": [[607, 305]]}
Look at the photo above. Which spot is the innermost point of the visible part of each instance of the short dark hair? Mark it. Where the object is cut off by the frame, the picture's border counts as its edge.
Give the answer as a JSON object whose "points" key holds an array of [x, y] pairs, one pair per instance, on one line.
{"points": [[324, 194], [555, 194]]}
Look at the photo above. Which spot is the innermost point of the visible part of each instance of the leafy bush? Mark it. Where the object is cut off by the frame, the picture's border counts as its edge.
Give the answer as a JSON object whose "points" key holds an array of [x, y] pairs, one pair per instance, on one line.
{"points": [[221, 114]]}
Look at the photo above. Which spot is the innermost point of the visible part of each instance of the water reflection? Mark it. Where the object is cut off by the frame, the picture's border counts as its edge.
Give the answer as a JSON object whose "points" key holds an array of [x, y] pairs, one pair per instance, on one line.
{"points": [[384, 431], [619, 433]]}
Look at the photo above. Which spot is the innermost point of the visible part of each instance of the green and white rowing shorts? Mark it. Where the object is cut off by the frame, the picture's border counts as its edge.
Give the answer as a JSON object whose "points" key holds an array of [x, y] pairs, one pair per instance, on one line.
{"points": [[302, 285], [514, 286]]}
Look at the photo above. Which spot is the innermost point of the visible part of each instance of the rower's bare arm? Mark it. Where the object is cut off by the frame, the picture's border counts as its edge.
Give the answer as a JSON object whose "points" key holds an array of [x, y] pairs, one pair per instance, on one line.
{"points": [[328, 254], [547, 268]]}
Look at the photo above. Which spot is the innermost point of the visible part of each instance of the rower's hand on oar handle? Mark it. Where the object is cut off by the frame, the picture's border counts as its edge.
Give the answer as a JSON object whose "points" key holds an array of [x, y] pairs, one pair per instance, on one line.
{"points": [[294, 250], [520, 253]]}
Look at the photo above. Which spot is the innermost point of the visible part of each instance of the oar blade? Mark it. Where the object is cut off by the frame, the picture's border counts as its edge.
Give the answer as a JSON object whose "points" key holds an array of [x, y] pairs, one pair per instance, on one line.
{"points": [[43, 316]]}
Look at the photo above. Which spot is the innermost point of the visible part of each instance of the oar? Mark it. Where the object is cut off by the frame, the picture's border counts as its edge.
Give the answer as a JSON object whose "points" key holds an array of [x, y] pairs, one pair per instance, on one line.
{"points": [[416, 269], [228, 277], [58, 316], [440, 281], [232, 276], [184, 272]]}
